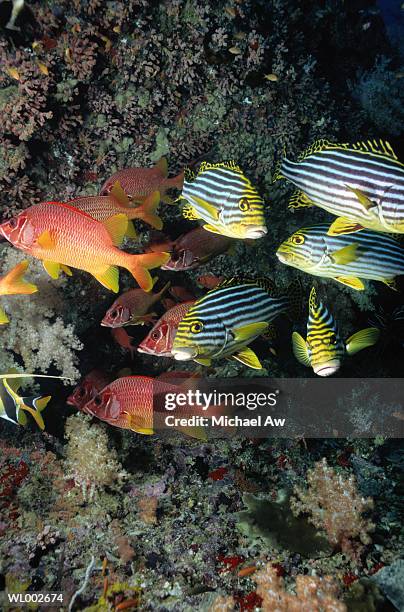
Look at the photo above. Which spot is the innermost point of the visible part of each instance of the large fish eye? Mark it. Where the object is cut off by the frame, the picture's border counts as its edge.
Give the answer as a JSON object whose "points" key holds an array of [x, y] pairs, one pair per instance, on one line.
{"points": [[13, 223], [114, 314], [196, 327], [297, 239], [244, 205]]}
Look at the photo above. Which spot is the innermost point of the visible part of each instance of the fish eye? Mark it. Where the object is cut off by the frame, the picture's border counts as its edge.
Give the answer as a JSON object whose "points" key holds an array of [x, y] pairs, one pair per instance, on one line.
{"points": [[244, 205], [297, 239], [13, 223], [155, 335], [196, 327], [333, 339], [114, 314], [97, 400]]}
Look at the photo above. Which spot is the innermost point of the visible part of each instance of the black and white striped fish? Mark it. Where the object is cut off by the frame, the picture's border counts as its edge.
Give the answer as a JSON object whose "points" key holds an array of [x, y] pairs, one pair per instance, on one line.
{"points": [[362, 184], [347, 259], [324, 348], [229, 317], [224, 198]]}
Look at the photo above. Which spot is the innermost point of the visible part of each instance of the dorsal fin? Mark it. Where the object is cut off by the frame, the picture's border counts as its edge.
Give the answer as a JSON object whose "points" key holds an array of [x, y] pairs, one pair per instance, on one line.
{"points": [[377, 146], [228, 165], [264, 283], [319, 145]]}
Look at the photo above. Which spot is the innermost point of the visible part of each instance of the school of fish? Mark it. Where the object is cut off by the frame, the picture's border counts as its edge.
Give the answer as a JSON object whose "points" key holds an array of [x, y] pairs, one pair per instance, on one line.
{"points": [[360, 183]]}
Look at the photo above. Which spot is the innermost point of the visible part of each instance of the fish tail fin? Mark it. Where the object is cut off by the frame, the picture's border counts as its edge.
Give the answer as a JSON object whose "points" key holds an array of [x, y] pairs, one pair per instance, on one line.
{"points": [[139, 266], [15, 282], [294, 293], [147, 211], [3, 317]]}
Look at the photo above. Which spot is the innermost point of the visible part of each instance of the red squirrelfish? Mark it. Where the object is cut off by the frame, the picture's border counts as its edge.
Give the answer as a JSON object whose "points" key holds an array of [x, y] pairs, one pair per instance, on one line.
{"points": [[64, 236], [131, 308], [196, 248], [159, 341], [136, 403], [88, 388], [103, 207], [13, 283], [122, 338], [140, 182]]}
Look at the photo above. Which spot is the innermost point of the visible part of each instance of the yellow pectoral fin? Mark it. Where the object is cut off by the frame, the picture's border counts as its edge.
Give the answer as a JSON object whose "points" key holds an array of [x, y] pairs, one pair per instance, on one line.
{"points": [[35, 415], [363, 199], [362, 339], [343, 226], [299, 346], [52, 268], [142, 425], [351, 281], [346, 255], [117, 227], [391, 283], [46, 241], [248, 358], [119, 194], [300, 200], [203, 361], [40, 403], [210, 209], [212, 229], [22, 418], [131, 232], [66, 270], [246, 332], [3, 317], [168, 200], [109, 278]]}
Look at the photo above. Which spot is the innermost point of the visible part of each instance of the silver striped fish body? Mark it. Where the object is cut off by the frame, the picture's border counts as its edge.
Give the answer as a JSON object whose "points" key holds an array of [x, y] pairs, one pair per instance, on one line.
{"points": [[362, 182], [222, 196], [377, 256], [207, 328], [325, 347]]}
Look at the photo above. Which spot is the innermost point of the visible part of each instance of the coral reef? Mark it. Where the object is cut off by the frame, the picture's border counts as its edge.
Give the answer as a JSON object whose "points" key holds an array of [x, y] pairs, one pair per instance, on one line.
{"points": [[333, 503]]}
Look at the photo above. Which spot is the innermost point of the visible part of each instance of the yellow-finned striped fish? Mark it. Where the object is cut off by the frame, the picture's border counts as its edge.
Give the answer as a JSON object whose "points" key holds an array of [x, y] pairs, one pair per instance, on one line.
{"points": [[346, 259], [14, 407], [362, 184], [324, 349], [224, 198], [229, 317]]}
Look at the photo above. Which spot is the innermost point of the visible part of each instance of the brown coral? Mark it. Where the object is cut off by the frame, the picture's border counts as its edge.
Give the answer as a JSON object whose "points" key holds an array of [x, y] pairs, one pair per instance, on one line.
{"points": [[334, 504], [313, 594]]}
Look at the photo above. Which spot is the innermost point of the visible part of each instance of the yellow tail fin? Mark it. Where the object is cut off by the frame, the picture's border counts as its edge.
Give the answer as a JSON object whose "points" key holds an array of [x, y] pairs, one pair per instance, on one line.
{"points": [[139, 266], [14, 283]]}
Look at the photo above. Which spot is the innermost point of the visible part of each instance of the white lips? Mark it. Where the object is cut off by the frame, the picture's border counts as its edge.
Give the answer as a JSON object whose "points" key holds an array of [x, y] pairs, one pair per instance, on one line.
{"points": [[327, 369], [256, 232], [183, 354]]}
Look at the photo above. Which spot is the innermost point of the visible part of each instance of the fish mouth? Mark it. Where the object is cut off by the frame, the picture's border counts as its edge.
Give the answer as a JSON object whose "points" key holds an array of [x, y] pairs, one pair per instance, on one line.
{"points": [[184, 353], [256, 231], [326, 369]]}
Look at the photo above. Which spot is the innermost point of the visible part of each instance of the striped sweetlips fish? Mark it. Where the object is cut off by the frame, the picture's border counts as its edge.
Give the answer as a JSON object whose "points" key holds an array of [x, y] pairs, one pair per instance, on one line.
{"points": [[362, 184], [224, 198], [346, 259], [324, 348], [229, 317]]}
